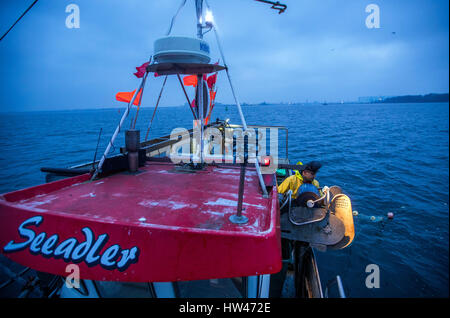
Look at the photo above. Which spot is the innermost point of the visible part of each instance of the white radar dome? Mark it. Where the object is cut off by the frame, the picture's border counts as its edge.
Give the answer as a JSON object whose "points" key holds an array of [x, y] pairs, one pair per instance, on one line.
{"points": [[177, 49]]}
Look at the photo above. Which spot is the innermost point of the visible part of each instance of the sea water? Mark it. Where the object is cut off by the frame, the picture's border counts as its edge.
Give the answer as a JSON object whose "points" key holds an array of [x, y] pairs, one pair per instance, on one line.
{"points": [[386, 157]]}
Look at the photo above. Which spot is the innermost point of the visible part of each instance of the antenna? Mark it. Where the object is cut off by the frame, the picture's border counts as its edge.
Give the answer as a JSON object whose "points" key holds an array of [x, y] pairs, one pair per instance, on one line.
{"points": [[275, 5]]}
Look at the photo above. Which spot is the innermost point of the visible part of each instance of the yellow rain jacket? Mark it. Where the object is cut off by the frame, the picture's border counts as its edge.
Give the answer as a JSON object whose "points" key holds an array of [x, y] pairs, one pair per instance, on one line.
{"points": [[294, 182]]}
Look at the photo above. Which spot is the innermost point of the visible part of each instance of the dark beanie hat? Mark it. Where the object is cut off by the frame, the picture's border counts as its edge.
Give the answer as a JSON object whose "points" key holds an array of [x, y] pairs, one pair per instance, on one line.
{"points": [[313, 166]]}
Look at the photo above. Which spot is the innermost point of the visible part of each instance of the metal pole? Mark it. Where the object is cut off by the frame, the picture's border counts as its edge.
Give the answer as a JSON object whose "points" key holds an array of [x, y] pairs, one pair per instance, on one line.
{"points": [[187, 97], [340, 286], [200, 105], [238, 218], [116, 132], [137, 111], [241, 190], [199, 9]]}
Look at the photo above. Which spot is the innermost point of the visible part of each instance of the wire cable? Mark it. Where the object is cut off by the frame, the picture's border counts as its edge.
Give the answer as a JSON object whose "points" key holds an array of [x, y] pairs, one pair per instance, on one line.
{"points": [[156, 107], [183, 2], [19, 19]]}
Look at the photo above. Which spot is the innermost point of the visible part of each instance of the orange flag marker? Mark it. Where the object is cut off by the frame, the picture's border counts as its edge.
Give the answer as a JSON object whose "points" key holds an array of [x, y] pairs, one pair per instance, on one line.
{"points": [[127, 96], [190, 80]]}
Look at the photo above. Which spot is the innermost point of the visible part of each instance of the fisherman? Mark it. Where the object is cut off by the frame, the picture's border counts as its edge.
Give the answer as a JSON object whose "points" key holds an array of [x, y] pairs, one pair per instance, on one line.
{"points": [[303, 181]]}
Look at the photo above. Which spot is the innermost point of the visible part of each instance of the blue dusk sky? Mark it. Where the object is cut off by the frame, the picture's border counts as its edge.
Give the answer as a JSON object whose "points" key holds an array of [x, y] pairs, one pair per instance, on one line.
{"points": [[315, 51]]}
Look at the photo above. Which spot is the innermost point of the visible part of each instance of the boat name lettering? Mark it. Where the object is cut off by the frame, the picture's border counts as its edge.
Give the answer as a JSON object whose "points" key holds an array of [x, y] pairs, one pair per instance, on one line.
{"points": [[71, 250]]}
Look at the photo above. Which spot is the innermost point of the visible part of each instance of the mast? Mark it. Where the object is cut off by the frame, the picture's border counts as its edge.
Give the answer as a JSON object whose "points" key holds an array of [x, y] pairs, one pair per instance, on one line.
{"points": [[199, 10]]}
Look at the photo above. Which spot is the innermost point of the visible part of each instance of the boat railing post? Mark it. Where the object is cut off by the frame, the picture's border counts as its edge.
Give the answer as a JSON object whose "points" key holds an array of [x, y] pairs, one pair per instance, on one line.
{"points": [[238, 218], [132, 145]]}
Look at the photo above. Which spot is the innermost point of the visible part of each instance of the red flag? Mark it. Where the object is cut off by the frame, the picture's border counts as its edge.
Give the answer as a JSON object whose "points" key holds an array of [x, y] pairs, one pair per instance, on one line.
{"points": [[212, 97], [211, 80], [127, 96], [141, 70], [190, 80], [193, 105]]}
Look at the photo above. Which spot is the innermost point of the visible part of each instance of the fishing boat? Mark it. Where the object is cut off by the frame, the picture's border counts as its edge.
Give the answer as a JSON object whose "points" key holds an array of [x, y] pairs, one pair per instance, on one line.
{"points": [[194, 213]]}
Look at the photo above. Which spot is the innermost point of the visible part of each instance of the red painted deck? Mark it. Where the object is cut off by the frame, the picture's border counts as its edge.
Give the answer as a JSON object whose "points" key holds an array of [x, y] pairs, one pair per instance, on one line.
{"points": [[158, 225]]}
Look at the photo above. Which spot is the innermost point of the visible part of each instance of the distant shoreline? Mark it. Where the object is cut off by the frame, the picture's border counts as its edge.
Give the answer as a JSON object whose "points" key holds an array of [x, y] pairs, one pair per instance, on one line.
{"points": [[429, 98], [406, 99]]}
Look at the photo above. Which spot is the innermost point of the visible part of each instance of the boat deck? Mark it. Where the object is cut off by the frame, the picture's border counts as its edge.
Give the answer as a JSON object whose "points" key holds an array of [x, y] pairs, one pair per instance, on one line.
{"points": [[162, 195], [163, 216]]}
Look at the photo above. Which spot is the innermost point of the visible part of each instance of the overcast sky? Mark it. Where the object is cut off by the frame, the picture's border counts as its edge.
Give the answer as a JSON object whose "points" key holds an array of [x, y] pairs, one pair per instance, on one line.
{"points": [[316, 50]]}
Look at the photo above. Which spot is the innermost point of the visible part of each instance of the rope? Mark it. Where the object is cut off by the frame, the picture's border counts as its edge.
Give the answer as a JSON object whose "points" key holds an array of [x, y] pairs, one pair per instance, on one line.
{"points": [[183, 2], [326, 193], [154, 111], [18, 19], [287, 199]]}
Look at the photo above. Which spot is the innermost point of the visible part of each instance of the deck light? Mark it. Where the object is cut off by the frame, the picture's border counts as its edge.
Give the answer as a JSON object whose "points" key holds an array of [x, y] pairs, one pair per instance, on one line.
{"points": [[265, 161], [209, 19]]}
